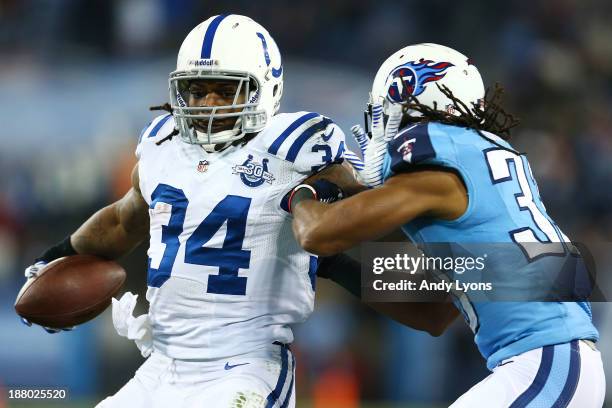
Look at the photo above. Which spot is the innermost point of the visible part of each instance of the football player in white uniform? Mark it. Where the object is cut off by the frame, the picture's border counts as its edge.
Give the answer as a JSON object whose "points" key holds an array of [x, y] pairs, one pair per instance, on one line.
{"points": [[226, 277]]}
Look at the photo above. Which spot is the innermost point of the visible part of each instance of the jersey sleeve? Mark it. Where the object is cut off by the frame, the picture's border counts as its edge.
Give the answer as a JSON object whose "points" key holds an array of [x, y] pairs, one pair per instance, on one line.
{"points": [[148, 151], [308, 140], [156, 130], [419, 145], [411, 147]]}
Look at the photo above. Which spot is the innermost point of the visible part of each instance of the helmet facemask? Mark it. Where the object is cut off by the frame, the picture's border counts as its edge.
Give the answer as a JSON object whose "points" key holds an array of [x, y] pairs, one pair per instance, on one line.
{"points": [[196, 124]]}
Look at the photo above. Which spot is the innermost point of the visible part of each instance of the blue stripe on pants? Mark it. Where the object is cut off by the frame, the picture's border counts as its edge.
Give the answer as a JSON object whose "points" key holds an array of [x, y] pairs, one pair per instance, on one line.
{"points": [[290, 390], [282, 378], [539, 381], [556, 380], [572, 378]]}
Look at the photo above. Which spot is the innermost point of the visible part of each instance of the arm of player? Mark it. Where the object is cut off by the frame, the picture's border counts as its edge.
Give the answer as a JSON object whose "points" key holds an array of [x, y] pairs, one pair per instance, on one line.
{"points": [[110, 233], [326, 229], [432, 317], [117, 228], [341, 175]]}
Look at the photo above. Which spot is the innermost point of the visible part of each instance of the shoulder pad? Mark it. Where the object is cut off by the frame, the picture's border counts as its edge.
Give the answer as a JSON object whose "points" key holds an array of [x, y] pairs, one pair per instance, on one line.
{"points": [[411, 146], [156, 130], [308, 139]]}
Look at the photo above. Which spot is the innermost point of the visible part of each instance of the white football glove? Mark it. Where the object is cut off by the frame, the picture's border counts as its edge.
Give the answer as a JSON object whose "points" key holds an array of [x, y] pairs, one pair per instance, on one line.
{"points": [[31, 272], [369, 169], [133, 328]]}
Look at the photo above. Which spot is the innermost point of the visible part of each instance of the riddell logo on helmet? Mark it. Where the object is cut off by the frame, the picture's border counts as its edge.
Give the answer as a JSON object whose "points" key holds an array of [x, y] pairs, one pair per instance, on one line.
{"points": [[255, 97], [204, 62], [180, 100]]}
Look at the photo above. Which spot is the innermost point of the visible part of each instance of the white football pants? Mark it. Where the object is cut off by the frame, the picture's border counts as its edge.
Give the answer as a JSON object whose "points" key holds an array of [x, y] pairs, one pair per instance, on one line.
{"points": [[562, 375], [262, 381]]}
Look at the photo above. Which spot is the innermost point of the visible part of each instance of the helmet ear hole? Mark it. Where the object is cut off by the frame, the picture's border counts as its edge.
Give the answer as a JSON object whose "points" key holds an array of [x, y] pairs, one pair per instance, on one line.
{"points": [[274, 90]]}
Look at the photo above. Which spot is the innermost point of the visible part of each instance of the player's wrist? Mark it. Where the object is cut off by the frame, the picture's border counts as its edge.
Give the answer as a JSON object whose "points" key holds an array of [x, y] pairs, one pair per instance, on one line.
{"points": [[59, 250], [327, 191], [301, 193], [321, 190]]}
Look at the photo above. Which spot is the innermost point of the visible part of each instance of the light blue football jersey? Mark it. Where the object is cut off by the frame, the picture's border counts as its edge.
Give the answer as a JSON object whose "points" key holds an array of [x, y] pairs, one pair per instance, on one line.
{"points": [[504, 207]]}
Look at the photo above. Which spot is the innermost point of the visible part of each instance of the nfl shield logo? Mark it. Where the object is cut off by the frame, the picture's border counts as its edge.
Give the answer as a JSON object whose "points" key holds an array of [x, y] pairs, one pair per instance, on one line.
{"points": [[203, 166]]}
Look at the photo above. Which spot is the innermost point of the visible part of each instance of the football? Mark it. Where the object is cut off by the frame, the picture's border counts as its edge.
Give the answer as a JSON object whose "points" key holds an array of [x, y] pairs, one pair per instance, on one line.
{"points": [[70, 291]]}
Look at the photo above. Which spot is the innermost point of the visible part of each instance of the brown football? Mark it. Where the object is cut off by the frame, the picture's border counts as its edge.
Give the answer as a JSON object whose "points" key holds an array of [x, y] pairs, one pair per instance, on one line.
{"points": [[70, 291]]}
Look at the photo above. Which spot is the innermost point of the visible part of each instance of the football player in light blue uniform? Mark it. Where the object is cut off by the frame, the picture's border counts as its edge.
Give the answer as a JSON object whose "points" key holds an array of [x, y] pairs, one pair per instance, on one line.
{"points": [[448, 177]]}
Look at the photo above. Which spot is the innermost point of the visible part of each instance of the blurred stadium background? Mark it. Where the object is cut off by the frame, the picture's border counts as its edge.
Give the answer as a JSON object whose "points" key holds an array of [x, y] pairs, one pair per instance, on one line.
{"points": [[77, 77]]}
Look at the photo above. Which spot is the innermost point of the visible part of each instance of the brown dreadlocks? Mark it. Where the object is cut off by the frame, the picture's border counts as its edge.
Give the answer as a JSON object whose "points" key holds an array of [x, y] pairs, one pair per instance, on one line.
{"points": [[165, 107], [490, 118]]}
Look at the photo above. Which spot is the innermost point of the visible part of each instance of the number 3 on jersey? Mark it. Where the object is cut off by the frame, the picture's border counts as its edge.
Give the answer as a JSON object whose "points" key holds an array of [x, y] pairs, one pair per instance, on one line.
{"points": [[229, 258], [499, 167]]}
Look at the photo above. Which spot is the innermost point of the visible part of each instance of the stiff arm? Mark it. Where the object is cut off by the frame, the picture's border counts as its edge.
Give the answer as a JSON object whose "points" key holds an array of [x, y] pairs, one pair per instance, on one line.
{"points": [[327, 229]]}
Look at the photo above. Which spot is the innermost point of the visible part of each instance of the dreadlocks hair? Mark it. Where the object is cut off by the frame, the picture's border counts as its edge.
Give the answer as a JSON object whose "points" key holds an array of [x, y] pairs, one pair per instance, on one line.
{"points": [[165, 107], [490, 118]]}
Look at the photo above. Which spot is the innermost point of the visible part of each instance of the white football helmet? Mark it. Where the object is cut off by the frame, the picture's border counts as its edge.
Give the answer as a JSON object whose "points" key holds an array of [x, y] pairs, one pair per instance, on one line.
{"points": [[229, 48], [416, 69]]}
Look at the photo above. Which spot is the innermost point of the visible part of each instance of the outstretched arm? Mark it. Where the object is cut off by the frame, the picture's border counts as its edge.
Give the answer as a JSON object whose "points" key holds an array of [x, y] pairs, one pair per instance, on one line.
{"points": [[326, 229], [117, 228], [431, 317]]}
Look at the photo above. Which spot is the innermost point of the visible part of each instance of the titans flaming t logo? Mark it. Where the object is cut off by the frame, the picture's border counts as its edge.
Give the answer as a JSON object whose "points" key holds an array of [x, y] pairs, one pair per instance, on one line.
{"points": [[411, 78]]}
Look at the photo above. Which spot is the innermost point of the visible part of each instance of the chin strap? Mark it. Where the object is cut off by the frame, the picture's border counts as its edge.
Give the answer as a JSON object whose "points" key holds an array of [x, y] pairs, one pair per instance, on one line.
{"points": [[215, 148], [219, 147]]}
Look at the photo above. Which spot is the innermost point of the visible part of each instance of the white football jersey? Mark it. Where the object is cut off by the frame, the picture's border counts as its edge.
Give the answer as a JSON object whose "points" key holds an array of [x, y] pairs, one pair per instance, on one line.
{"points": [[226, 276]]}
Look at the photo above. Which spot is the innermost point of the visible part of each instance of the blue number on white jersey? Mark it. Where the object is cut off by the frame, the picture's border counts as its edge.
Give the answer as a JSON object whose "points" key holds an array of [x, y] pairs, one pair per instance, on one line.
{"points": [[229, 258], [164, 196], [226, 273]]}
